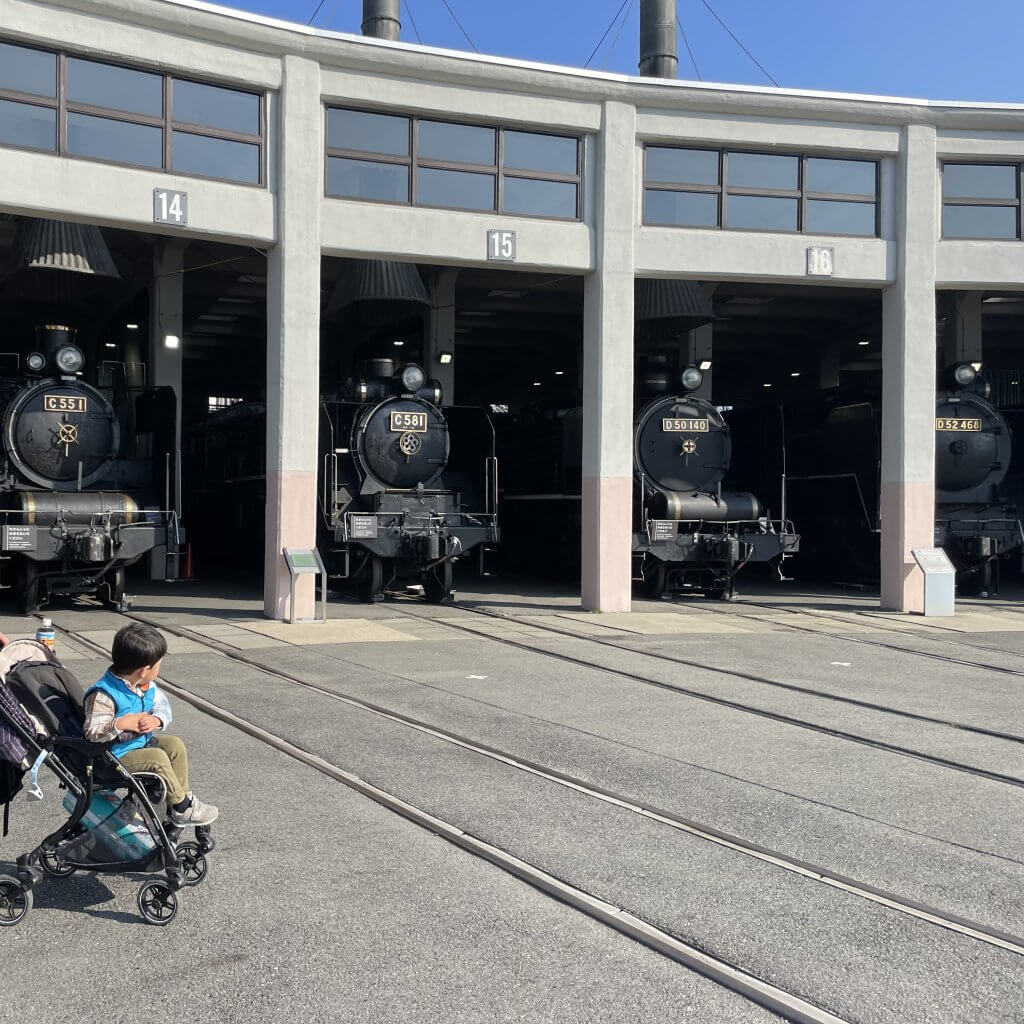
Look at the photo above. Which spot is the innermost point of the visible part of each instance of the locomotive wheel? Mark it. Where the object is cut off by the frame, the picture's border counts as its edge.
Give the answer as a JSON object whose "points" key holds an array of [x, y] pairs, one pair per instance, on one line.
{"points": [[437, 584], [655, 577], [371, 580]]}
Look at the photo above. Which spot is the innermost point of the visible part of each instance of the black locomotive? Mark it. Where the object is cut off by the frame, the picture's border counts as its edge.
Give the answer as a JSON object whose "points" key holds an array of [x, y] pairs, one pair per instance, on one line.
{"points": [[400, 507], [77, 488], [689, 533], [836, 486]]}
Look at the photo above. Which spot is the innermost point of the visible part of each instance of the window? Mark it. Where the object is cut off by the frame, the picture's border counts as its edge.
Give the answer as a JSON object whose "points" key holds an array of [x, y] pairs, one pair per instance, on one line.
{"points": [[214, 403], [760, 191], [981, 201], [395, 159], [86, 108]]}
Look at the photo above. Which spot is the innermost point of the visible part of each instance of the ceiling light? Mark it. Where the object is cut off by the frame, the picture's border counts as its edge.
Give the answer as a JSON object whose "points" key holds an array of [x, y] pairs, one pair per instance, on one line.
{"points": [[795, 373], [536, 383], [705, 364], [863, 344], [132, 327], [559, 373], [110, 344], [766, 385], [171, 341], [444, 358], [399, 344]]}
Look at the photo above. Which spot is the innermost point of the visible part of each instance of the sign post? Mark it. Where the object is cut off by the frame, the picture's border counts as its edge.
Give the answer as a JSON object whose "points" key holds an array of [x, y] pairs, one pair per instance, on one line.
{"points": [[939, 581], [306, 562]]}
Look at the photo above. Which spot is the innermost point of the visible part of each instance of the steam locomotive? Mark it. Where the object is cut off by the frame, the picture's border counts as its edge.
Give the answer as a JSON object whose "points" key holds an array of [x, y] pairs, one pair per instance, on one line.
{"points": [[400, 506], [78, 477], [689, 534], [400, 502], [836, 486]]}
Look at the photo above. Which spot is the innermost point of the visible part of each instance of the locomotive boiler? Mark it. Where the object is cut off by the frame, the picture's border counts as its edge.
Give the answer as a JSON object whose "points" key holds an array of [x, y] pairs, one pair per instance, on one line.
{"points": [[689, 533], [74, 511], [400, 502]]}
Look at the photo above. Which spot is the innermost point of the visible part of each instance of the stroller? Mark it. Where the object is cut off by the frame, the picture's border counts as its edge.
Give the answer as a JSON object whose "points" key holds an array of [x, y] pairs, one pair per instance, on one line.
{"points": [[41, 724]]}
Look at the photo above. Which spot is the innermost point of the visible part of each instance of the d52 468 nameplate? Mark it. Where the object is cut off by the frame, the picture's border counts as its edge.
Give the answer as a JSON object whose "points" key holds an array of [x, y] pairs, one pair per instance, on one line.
{"points": [[957, 423], [65, 403]]}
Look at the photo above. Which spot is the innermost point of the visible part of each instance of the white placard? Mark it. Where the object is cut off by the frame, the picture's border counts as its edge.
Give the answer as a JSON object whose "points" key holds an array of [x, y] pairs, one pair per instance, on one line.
{"points": [[170, 207], [501, 245], [821, 261]]}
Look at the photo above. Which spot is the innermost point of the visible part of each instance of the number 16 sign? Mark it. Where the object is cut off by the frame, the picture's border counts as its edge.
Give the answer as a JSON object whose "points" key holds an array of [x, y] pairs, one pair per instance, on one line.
{"points": [[170, 207]]}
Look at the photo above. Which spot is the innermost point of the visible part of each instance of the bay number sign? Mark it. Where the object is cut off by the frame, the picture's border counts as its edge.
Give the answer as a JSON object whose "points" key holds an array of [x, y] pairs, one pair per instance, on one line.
{"points": [[170, 207], [501, 245]]}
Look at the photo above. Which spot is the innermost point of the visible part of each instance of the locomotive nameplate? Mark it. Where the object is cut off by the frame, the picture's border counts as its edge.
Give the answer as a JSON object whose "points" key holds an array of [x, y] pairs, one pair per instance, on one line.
{"points": [[684, 426], [406, 421], [65, 403], [957, 423]]}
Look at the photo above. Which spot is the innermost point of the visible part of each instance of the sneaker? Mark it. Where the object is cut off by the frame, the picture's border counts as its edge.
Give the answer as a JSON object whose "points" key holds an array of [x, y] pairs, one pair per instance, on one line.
{"points": [[197, 813]]}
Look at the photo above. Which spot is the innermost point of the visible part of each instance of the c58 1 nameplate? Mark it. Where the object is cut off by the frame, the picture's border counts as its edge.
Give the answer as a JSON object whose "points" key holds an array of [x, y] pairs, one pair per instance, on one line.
{"points": [[406, 421], [957, 423], [684, 426], [65, 403]]}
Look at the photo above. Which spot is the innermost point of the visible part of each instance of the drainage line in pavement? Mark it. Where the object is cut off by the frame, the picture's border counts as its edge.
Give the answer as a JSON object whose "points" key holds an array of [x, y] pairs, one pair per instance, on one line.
{"points": [[787, 1005], [893, 901]]}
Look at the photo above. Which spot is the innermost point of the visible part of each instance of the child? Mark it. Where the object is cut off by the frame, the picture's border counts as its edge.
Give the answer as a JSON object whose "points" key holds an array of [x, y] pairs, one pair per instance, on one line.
{"points": [[126, 705]]}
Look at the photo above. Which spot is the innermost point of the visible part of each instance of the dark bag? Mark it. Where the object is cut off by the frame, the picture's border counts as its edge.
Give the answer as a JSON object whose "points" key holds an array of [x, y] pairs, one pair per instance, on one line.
{"points": [[12, 749]]}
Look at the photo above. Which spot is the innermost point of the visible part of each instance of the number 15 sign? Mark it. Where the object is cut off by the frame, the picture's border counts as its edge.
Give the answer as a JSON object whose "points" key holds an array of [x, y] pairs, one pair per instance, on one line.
{"points": [[170, 207], [501, 246]]}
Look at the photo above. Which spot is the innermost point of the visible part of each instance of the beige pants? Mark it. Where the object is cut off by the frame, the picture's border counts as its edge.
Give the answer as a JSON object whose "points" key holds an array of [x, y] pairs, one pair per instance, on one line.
{"points": [[168, 759]]}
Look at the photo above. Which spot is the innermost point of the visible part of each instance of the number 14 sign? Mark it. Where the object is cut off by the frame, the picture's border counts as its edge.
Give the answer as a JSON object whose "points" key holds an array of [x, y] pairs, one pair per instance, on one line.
{"points": [[170, 207]]}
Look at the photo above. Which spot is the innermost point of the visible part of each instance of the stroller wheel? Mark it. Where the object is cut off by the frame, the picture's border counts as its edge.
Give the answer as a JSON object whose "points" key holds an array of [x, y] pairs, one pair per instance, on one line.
{"points": [[157, 904], [15, 901], [193, 862], [50, 863]]}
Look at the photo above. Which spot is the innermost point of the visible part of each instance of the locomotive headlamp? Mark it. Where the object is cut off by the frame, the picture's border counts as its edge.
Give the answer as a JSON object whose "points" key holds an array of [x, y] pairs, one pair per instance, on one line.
{"points": [[691, 378], [70, 359], [413, 377], [35, 361], [965, 374]]}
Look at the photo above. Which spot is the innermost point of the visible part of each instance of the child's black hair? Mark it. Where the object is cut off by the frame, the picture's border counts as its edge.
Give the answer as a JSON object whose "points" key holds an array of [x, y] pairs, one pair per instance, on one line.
{"points": [[135, 647]]}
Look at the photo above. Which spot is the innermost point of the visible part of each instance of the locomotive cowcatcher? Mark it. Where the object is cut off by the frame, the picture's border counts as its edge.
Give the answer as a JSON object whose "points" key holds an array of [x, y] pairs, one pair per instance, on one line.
{"points": [[80, 471], [399, 507]]}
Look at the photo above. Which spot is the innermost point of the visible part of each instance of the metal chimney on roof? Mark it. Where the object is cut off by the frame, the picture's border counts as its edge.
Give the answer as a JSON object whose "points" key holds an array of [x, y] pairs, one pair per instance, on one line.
{"points": [[658, 57], [380, 19]]}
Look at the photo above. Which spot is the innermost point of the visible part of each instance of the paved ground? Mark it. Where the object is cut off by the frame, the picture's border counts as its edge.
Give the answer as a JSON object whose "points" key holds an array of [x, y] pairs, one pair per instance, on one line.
{"points": [[323, 906]]}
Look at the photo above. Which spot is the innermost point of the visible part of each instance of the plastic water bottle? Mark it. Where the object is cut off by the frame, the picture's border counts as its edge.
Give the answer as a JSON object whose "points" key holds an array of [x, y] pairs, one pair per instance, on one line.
{"points": [[46, 634]]}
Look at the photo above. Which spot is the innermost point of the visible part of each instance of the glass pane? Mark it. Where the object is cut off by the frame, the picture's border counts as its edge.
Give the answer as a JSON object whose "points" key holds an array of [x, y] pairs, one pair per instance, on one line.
{"points": [[27, 70], [979, 221], [361, 179], [456, 143], [761, 212], [105, 139], [530, 152], [852, 177], [457, 189], [979, 181], [758, 170], [373, 133], [24, 125], [682, 166], [836, 218], [103, 85], [216, 158], [543, 198], [215, 107], [686, 209]]}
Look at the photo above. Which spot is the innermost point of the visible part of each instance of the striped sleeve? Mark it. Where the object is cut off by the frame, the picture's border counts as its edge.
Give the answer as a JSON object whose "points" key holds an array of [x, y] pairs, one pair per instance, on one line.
{"points": [[100, 713]]}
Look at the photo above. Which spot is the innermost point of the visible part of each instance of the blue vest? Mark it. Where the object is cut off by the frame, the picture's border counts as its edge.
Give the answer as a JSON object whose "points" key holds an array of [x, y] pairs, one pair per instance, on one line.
{"points": [[125, 703]]}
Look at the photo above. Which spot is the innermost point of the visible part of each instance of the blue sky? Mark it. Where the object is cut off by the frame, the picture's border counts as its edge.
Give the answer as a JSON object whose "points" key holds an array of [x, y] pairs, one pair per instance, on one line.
{"points": [[937, 49]]}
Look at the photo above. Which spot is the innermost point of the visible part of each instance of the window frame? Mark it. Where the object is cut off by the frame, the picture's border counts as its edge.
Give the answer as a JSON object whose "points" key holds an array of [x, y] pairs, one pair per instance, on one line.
{"points": [[801, 193], [1008, 204], [413, 161], [64, 106]]}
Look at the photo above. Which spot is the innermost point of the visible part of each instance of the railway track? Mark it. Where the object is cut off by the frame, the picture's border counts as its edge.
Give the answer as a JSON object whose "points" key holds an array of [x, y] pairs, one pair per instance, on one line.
{"points": [[708, 833], [788, 1005]]}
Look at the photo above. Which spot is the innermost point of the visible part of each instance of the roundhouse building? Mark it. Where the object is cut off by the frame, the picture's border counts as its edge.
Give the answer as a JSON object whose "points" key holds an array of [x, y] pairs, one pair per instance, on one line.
{"points": [[198, 127]]}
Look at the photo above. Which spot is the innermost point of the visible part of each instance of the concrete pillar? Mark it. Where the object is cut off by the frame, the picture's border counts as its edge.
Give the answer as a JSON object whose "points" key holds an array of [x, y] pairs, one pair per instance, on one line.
{"points": [[961, 342], [166, 321], [608, 371], [908, 368], [293, 337], [441, 333], [699, 350]]}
